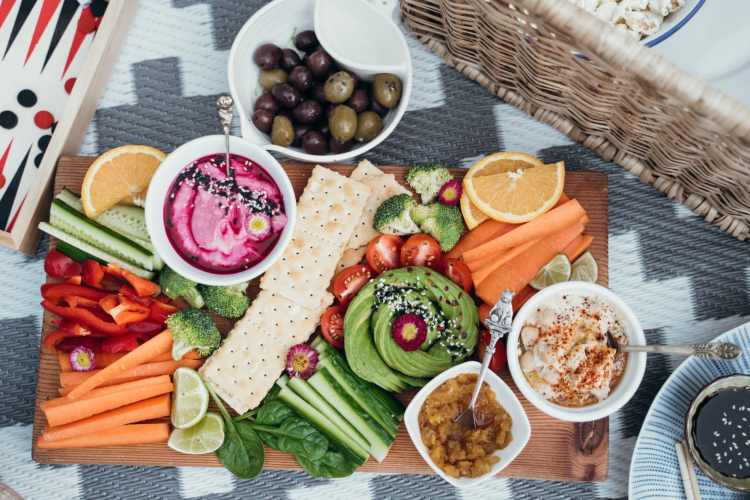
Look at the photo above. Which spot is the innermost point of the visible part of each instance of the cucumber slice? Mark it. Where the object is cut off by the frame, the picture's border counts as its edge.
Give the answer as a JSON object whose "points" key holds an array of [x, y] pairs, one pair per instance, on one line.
{"points": [[379, 438], [346, 445], [67, 218], [316, 341], [99, 255], [76, 253]]}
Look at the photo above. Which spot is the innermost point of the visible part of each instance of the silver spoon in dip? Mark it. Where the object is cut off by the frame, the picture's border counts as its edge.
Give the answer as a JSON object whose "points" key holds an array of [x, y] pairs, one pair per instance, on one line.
{"points": [[226, 103], [499, 323], [718, 351]]}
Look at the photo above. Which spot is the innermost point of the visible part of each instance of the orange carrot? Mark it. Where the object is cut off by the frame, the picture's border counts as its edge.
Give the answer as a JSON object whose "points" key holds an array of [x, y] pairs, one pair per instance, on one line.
{"points": [[105, 391], [585, 244], [122, 435], [571, 247], [64, 358], [103, 360], [484, 313], [157, 345], [136, 412], [483, 272], [147, 370], [64, 391], [484, 232], [516, 273], [554, 221], [521, 297], [84, 408]]}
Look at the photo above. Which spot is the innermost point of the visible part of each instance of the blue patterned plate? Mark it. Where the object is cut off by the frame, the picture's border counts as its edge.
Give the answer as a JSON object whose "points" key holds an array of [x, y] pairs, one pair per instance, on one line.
{"points": [[654, 472]]}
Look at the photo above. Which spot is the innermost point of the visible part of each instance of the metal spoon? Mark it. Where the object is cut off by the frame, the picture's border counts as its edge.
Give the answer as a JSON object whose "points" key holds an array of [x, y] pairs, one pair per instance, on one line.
{"points": [[226, 103], [499, 322], [718, 351]]}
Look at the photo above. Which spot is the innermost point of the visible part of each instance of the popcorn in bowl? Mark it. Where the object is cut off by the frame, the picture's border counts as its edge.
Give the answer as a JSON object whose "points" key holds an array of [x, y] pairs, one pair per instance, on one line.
{"points": [[635, 18]]}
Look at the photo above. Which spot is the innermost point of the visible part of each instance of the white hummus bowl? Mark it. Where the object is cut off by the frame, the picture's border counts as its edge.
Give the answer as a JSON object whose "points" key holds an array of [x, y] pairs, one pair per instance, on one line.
{"points": [[162, 182], [521, 428], [634, 368]]}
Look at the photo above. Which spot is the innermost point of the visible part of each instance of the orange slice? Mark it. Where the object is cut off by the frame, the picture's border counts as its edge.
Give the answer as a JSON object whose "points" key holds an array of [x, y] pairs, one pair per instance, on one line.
{"points": [[472, 215], [514, 187], [121, 175]]}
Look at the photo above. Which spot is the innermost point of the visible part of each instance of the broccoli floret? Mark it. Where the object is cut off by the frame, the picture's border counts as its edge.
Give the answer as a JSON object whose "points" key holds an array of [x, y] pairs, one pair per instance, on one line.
{"points": [[173, 285], [193, 329], [427, 179], [226, 301], [421, 213], [393, 216], [445, 225]]}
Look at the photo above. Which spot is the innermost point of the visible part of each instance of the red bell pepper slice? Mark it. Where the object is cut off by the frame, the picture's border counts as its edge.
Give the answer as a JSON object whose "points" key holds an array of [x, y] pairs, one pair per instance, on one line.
{"points": [[92, 273], [146, 327], [85, 317], [142, 286], [76, 301], [55, 293], [75, 328], [73, 280], [54, 337], [160, 312], [163, 299], [120, 343], [59, 265], [124, 310], [129, 292], [70, 343]]}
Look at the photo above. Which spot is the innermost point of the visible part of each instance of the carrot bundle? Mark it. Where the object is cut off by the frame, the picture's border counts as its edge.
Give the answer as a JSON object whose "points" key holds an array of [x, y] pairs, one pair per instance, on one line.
{"points": [[484, 232], [117, 436], [142, 371], [103, 360], [483, 272], [105, 391], [64, 391]]}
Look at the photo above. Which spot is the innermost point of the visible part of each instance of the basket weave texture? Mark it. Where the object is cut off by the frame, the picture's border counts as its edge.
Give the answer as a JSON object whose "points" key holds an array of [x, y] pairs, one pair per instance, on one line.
{"points": [[622, 100]]}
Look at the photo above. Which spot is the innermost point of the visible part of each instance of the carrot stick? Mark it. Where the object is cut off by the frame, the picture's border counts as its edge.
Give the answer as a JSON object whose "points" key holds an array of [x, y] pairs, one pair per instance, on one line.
{"points": [[585, 244], [516, 273], [554, 221], [64, 391], [521, 297], [64, 358], [157, 345], [484, 232], [104, 391], [103, 360], [571, 247], [484, 313], [83, 408], [122, 435], [147, 370], [136, 412], [483, 272]]}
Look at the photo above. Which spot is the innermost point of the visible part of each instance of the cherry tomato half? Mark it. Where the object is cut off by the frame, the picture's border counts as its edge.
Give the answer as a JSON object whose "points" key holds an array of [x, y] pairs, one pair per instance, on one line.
{"points": [[421, 250], [349, 281], [59, 265], [332, 325], [458, 272], [383, 253], [498, 358]]}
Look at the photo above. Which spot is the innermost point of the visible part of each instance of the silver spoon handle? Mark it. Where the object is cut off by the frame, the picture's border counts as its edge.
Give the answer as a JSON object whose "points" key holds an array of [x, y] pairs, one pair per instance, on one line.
{"points": [[485, 363], [719, 351]]}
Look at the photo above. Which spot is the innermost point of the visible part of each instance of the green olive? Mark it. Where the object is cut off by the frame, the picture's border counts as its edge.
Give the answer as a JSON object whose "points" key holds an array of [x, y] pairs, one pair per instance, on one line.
{"points": [[343, 123], [272, 77], [338, 87], [369, 125], [386, 88], [282, 132]]}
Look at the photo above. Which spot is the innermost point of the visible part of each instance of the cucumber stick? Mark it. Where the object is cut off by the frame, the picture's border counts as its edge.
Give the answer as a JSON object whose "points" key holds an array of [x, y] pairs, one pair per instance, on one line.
{"points": [[100, 255], [76, 254], [63, 216], [379, 438]]}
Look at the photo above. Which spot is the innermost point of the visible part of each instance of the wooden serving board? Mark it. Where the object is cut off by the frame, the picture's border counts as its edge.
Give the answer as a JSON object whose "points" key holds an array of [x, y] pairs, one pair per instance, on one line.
{"points": [[557, 450]]}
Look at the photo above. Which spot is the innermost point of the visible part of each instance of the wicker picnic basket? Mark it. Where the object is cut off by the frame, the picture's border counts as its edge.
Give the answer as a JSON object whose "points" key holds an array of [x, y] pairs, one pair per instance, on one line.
{"points": [[622, 100]]}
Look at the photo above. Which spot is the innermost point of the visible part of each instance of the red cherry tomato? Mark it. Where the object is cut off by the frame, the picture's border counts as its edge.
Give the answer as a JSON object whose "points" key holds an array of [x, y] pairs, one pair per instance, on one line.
{"points": [[120, 343], [498, 358], [458, 272], [383, 253], [332, 325], [59, 265], [421, 250], [349, 281]]}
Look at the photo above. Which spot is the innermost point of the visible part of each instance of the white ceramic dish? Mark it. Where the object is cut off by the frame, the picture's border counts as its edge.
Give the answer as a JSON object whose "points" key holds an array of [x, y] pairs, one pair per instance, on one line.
{"points": [[521, 428], [673, 23], [275, 23], [623, 391], [162, 182]]}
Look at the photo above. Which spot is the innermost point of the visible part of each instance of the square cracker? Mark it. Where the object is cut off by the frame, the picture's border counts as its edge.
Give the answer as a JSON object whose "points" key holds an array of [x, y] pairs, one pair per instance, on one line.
{"points": [[331, 205], [304, 271], [383, 187], [365, 171], [351, 257], [280, 317]]}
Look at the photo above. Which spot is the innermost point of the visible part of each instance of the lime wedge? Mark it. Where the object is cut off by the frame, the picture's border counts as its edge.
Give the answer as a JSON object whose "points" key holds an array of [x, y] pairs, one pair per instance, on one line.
{"points": [[204, 437], [557, 271], [585, 269], [190, 399]]}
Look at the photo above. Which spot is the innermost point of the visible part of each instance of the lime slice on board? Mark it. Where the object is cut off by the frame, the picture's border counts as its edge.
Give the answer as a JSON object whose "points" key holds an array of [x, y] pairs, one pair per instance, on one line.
{"points": [[585, 269], [557, 271], [204, 437], [190, 399]]}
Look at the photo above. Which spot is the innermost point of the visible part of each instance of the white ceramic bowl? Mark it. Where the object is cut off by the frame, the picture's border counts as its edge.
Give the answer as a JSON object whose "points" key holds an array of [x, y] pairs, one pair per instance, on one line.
{"points": [[631, 378], [275, 23], [673, 22], [521, 428], [162, 182]]}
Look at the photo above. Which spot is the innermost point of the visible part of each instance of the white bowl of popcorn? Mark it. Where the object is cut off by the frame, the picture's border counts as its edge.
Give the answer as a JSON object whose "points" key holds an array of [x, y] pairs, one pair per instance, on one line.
{"points": [[650, 21]]}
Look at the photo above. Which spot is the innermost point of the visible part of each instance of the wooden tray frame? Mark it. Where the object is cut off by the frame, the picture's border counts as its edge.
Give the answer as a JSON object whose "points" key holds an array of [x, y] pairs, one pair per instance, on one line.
{"points": [[73, 123], [560, 451]]}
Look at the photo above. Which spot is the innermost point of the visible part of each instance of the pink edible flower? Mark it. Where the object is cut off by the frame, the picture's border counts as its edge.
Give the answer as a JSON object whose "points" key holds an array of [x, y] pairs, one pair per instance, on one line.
{"points": [[409, 331], [82, 359], [450, 193], [258, 226], [301, 361]]}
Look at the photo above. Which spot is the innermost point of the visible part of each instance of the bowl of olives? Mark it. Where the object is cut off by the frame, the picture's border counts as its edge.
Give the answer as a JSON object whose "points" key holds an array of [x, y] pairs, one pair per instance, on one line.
{"points": [[308, 98]]}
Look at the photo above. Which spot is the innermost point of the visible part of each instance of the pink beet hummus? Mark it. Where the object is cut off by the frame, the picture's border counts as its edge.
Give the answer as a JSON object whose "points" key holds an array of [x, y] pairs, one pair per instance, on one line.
{"points": [[224, 224]]}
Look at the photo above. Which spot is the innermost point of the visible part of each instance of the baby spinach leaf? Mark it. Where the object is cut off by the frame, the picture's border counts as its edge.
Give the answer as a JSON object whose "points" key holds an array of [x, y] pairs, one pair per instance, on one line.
{"points": [[333, 465], [274, 412], [295, 436]]}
